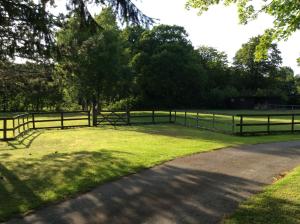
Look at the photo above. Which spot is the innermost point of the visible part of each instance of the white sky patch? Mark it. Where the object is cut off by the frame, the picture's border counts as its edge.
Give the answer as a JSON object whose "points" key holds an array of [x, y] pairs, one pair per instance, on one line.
{"points": [[219, 27]]}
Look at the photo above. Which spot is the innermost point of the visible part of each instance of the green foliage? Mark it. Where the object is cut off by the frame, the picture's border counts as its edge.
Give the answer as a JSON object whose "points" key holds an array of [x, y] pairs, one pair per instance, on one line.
{"points": [[28, 87], [94, 60], [286, 14], [29, 25], [257, 74], [168, 69]]}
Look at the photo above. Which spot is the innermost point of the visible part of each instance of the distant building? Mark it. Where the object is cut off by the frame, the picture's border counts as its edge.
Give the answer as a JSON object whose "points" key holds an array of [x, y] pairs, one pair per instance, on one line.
{"points": [[252, 102]]}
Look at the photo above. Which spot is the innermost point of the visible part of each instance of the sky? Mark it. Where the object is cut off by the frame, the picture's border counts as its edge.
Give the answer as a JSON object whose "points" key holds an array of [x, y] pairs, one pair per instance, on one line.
{"points": [[219, 27]]}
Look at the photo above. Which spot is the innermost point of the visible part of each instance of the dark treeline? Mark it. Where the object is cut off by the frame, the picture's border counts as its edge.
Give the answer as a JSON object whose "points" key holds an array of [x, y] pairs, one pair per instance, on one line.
{"points": [[134, 67]]}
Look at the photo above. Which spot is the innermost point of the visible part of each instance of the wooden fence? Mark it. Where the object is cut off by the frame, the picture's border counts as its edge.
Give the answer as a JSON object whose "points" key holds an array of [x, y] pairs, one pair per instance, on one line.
{"points": [[134, 117], [241, 124], [254, 124], [11, 127]]}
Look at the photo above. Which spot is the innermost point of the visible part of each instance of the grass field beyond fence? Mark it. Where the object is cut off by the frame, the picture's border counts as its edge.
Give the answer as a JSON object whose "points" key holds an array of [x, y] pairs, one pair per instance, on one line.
{"points": [[241, 122]]}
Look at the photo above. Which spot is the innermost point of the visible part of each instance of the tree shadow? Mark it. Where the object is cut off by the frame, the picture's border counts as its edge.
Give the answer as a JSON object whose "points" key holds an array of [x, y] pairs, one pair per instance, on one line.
{"points": [[269, 210], [32, 182], [165, 193]]}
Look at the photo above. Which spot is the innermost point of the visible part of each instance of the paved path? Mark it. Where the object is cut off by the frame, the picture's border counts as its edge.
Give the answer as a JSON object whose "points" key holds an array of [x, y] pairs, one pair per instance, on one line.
{"points": [[197, 189]]}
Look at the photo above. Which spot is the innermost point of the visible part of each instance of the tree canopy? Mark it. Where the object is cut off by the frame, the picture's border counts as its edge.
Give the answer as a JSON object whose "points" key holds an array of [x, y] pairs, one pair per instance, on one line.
{"points": [[286, 15], [27, 26]]}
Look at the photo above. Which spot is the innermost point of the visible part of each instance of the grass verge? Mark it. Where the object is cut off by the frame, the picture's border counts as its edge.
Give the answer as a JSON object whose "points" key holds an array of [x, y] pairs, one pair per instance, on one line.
{"points": [[277, 204]]}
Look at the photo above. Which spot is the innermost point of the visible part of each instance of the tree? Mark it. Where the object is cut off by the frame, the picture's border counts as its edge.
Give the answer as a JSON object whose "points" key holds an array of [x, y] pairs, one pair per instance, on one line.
{"points": [[93, 59], [286, 15], [28, 87], [257, 72], [168, 70], [29, 26], [219, 85]]}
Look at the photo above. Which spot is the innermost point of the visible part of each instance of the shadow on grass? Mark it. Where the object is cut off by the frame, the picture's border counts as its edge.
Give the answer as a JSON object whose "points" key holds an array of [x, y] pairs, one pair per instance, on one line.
{"points": [[28, 183], [268, 210], [178, 195]]}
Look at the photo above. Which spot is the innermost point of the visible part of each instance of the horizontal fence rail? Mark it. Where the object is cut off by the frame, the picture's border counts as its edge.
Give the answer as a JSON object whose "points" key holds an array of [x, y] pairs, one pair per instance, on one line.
{"points": [[240, 124], [133, 117], [253, 124], [208, 121], [11, 127]]}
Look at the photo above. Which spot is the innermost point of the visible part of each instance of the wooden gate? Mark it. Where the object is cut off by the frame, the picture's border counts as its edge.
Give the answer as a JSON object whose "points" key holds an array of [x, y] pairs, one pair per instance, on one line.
{"points": [[112, 118]]}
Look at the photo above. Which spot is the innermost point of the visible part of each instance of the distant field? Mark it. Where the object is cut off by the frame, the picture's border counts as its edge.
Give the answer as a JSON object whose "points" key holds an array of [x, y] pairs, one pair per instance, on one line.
{"points": [[227, 121]]}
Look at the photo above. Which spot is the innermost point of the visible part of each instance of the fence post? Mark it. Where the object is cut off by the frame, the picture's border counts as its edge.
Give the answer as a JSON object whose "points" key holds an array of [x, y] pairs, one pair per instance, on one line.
{"points": [[62, 120], [128, 117], [14, 131], [197, 119], [4, 129], [153, 119], [268, 128], [19, 131], [233, 124], [89, 118], [241, 124], [175, 118], [185, 119], [170, 117], [23, 124], [27, 121], [293, 123], [33, 121], [95, 114]]}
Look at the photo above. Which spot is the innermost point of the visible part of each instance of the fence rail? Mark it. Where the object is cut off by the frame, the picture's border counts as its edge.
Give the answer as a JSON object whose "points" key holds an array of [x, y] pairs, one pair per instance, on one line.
{"points": [[11, 127], [133, 117], [241, 124], [14, 126]]}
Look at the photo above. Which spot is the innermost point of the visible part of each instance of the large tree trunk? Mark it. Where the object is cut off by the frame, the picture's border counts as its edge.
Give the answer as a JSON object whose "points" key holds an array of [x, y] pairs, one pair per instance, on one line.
{"points": [[95, 112]]}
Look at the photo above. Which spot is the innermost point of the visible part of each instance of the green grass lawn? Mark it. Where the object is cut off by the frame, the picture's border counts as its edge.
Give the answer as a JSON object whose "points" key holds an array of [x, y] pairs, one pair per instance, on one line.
{"points": [[52, 165], [227, 122], [278, 204]]}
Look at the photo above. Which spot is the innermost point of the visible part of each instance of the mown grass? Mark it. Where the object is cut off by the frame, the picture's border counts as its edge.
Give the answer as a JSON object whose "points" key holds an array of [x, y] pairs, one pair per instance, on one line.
{"points": [[48, 166], [228, 122], [278, 204]]}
